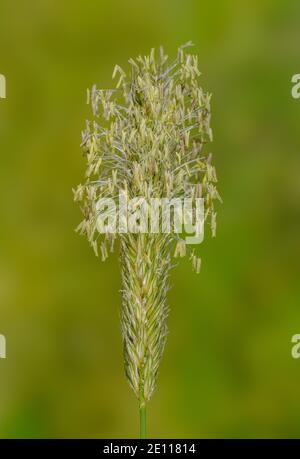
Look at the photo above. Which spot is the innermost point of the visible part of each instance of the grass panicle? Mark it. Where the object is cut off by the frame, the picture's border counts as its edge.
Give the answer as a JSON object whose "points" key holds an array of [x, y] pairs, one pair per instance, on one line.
{"points": [[147, 138]]}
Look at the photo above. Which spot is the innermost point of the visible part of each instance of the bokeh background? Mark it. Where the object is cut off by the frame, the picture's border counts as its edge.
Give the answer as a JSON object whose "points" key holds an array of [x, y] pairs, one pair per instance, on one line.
{"points": [[227, 369]]}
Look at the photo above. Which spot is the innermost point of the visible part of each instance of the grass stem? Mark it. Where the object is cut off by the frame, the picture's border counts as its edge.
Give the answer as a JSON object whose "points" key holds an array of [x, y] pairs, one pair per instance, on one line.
{"points": [[143, 431]]}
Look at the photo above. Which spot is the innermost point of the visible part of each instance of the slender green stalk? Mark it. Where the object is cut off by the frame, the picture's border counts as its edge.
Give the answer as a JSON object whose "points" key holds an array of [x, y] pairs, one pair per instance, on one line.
{"points": [[143, 426]]}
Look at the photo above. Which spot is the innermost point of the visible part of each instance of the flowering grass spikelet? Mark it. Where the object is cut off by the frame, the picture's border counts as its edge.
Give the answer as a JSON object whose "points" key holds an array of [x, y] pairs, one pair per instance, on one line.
{"points": [[146, 139]]}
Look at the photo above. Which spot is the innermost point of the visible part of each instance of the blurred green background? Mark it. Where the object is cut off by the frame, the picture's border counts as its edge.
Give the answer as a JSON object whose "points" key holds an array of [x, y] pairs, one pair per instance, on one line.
{"points": [[227, 369]]}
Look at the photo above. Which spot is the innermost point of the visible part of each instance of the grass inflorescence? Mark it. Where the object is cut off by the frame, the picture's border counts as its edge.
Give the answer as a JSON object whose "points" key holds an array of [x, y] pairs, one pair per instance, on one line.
{"points": [[146, 139]]}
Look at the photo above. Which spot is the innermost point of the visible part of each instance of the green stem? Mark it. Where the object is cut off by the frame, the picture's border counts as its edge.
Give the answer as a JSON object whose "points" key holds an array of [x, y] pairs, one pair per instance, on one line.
{"points": [[143, 421]]}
